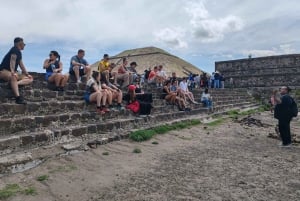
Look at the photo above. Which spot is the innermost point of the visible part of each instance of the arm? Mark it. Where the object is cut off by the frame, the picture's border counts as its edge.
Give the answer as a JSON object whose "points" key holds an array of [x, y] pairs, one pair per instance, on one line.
{"points": [[76, 63], [58, 70], [13, 59], [47, 64], [22, 66]]}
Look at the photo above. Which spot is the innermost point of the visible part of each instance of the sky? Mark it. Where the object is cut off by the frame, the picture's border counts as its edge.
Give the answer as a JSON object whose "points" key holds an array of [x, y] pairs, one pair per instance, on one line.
{"points": [[198, 31]]}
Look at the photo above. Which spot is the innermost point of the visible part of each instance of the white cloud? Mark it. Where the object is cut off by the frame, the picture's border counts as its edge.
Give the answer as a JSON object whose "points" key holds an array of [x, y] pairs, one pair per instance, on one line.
{"points": [[172, 36], [282, 49], [209, 29]]}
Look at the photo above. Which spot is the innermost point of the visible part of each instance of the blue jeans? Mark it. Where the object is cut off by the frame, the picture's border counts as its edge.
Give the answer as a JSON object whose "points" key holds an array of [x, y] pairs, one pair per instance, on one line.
{"points": [[217, 84], [207, 103]]}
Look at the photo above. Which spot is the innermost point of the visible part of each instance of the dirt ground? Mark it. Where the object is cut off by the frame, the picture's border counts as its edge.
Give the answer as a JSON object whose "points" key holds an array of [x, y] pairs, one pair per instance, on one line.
{"points": [[226, 162]]}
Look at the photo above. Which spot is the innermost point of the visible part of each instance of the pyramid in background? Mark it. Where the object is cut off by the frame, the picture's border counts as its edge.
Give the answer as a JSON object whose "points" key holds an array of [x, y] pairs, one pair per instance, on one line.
{"points": [[149, 57]]}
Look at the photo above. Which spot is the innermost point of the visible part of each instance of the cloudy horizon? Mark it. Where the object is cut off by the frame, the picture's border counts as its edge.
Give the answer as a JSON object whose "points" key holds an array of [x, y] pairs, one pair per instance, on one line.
{"points": [[198, 31]]}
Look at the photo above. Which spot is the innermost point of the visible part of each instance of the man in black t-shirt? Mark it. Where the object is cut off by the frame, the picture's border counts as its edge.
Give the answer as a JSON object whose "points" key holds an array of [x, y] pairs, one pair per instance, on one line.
{"points": [[9, 69]]}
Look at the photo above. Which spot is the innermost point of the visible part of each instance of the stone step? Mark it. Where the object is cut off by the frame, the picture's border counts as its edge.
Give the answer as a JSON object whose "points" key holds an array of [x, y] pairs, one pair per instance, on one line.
{"points": [[35, 122], [50, 135], [14, 125]]}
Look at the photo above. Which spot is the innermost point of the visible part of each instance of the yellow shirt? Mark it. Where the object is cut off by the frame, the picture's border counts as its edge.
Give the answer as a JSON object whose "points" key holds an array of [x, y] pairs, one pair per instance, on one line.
{"points": [[103, 66]]}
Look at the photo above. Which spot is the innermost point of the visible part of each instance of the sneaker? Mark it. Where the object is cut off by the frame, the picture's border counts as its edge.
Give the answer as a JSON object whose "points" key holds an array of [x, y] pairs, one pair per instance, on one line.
{"points": [[20, 100], [61, 89], [56, 89], [187, 109], [120, 108], [285, 146], [105, 109], [100, 111], [79, 82]]}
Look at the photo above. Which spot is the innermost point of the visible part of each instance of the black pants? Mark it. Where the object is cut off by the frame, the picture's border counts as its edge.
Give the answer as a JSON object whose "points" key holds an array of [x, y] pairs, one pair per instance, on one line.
{"points": [[285, 132]]}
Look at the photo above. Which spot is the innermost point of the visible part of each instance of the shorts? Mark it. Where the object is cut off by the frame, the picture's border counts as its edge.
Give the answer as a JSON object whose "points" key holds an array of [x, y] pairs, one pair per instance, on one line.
{"points": [[87, 97], [47, 75], [81, 72], [8, 73]]}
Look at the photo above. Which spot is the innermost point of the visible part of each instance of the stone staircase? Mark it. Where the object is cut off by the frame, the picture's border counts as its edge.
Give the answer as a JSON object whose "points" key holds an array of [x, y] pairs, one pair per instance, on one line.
{"points": [[52, 117]]}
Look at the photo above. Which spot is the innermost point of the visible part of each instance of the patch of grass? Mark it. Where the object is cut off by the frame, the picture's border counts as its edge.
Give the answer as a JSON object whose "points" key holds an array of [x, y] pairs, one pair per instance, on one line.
{"points": [[42, 178], [30, 191], [9, 190], [297, 92], [66, 168], [154, 142], [137, 151], [143, 135], [105, 153], [162, 129], [232, 112], [194, 122], [216, 122]]}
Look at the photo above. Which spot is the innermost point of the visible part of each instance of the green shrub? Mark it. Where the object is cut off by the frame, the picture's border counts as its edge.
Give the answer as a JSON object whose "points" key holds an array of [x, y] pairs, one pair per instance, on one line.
{"points": [[137, 151], [9, 190], [30, 191], [42, 177], [142, 135]]}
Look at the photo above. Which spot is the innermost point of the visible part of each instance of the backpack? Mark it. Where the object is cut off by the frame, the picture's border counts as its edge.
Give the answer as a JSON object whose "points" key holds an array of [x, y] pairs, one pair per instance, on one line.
{"points": [[294, 108]]}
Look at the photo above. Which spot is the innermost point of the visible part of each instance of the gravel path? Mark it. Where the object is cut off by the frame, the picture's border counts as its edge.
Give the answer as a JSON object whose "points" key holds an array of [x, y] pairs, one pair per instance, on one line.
{"points": [[232, 161]]}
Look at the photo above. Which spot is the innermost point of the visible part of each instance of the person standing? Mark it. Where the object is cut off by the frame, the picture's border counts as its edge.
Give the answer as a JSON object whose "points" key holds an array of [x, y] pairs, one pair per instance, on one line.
{"points": [[283, 113], [9, 69], [79, 66]]}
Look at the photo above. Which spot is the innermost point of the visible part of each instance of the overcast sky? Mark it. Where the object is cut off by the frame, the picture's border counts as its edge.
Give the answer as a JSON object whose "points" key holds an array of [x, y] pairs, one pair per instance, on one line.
{"points": [[199, 31]]}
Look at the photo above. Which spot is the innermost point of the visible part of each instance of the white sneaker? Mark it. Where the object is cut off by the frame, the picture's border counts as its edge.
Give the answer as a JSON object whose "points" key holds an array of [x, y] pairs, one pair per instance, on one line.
{"points": [[79, 82]]}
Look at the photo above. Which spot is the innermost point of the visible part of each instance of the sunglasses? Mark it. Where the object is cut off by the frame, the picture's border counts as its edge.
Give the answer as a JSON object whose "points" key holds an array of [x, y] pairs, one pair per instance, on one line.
{"points": [[51, 55]]}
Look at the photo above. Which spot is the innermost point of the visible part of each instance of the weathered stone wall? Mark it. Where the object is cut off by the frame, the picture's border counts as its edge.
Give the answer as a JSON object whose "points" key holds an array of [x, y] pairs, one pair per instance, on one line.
{"points": [[263, 71]]}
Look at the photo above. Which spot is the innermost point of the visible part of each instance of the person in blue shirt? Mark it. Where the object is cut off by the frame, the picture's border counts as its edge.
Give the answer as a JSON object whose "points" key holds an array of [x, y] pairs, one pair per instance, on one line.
{"points": [[54, 68], [9, 69], [79, 66]]}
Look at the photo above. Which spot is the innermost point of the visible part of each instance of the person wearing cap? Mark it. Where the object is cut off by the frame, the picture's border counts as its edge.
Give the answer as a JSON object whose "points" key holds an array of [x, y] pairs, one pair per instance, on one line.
{"points": [[9, 69], [79, 66]]}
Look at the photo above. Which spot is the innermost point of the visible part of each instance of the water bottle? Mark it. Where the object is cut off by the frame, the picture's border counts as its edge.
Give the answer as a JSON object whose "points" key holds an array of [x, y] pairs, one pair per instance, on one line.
{"points": [[53, 67]]}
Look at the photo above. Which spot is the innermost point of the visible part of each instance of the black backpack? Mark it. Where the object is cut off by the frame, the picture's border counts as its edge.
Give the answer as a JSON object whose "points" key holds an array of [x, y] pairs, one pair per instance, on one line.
{"points": [[293, 108]]}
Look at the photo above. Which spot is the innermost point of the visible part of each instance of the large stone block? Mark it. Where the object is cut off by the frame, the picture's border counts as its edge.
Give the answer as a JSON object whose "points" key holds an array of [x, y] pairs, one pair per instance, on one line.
{"points": [[27, 140], [33, 107], [92, 129], [64, 117], [79, 131], [5, 125], [43, 137], [10, 143]]}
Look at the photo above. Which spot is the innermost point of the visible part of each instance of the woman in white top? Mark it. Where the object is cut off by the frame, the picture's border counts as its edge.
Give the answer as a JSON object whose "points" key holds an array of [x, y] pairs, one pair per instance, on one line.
{"points": [[185, 91]]}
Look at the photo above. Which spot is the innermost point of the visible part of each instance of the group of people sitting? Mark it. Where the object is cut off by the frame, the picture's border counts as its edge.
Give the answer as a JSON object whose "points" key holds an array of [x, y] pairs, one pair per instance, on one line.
{"points": [[102, 86], [180, 95]]}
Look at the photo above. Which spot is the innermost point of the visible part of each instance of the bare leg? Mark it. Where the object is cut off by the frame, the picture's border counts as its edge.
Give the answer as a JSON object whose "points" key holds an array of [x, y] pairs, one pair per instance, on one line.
{"points": [[76, 71], [64, 80]]}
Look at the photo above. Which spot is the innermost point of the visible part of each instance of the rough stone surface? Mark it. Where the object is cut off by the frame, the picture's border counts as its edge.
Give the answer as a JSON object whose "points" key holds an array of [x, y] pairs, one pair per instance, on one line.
{"points": [[263, 71]]}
